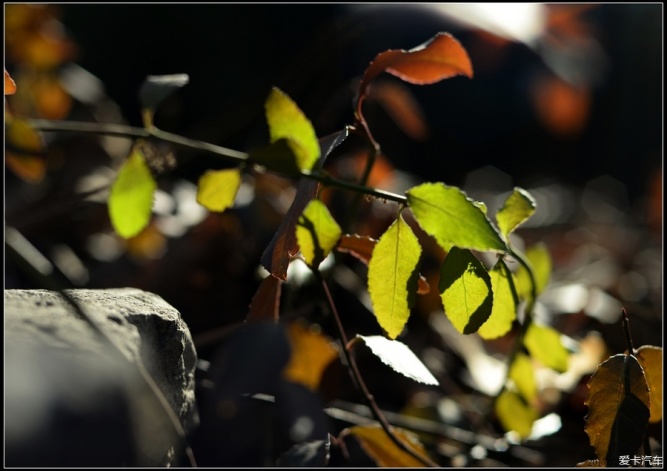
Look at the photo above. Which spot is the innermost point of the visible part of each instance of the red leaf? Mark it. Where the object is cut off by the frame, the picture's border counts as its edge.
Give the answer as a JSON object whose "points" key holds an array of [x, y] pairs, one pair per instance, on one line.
{"points": [[439, 58], [266, 302]]}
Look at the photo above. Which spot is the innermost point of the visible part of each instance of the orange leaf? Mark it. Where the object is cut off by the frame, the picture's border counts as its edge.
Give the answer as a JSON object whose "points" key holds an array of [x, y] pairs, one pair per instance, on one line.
{"points": [[439, 58], [311, 354], [375, 441], [265, 303], [10, 86], [361, 247], [401, 107]]}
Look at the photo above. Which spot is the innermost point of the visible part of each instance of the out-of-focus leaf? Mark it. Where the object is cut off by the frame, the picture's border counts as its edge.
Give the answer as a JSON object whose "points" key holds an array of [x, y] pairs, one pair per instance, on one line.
{"points": [[516, 209], [650, 358], [283, 246], [439, 58], [385, 453], [618, 408], [540, 260], [265, 304], [392, 276], [544, 344], [514, 414], [287, 121], [148, 244], [317, 232], [313, 454], [311, 354], [523, 375], [505, 303], [24, 150], [400, 358], [446, 213], [10, 86], [361, 247], [217, 189], [465, 290], [402, 107], [131, 196], [158, 87]]}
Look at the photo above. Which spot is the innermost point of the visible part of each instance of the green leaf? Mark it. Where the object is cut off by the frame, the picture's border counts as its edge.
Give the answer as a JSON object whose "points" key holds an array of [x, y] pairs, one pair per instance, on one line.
{"points": [[650, 358], [317, 233], [544, 344], [523, 375], [518, 207], [514, 414], [131, 196], [400, 358], [446, 213], [465, 290], [392, 276], [287, 121], [217, 189], [618, 408], [278, 157], [540, 260], [505, 303]]}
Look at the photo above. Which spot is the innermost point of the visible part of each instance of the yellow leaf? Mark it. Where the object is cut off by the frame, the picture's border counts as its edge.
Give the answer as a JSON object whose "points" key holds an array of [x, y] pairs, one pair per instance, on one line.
{"points": [[650, 358], [505, 303], [317, 232], [217, 189], [311, 354], [392, 276], [131, 196], [375, 441], [514, 414], [287, 121], [523, 375], [544, 344], [540, 260]]}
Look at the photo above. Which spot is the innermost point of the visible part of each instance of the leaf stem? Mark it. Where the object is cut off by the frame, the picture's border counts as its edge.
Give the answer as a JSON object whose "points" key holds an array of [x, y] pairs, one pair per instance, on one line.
{"points": [[133, 132], [626, 331], [352, 364]]}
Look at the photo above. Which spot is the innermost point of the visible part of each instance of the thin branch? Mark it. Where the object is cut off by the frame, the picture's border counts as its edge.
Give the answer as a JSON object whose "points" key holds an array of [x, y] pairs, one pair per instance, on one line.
{"points": [[377, 413]]}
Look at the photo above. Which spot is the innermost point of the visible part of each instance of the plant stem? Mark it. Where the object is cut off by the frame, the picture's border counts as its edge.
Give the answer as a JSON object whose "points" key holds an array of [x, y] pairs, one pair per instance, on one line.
{"points": [[626, 331], [132, 132], [352, 364]]}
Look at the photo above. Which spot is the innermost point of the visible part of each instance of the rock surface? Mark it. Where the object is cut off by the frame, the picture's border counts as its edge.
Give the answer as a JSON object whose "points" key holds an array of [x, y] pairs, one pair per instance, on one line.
{"points": [[70, 401]]}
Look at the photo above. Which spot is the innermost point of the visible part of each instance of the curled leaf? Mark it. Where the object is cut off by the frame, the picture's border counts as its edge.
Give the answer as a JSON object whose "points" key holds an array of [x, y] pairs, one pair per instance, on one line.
{"points": [[400, 358], [266, 301], [317, 232]]}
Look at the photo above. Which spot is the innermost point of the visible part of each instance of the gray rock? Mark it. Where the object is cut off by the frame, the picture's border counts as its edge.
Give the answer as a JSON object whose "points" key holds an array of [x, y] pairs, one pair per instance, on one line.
{"points": [[70, 401]]}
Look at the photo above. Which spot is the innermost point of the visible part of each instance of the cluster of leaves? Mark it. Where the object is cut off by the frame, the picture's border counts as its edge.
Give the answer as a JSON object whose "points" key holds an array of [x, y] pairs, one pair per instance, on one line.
{"points": [[475, 298]]}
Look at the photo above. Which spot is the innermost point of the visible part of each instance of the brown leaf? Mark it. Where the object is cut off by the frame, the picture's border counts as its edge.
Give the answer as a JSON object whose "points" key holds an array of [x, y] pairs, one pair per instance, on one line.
{"points": [[439, 58], [361, 247], [650, 358], [10, 86], [592, 464], [618, 402], [375, 441], [266, 302]]}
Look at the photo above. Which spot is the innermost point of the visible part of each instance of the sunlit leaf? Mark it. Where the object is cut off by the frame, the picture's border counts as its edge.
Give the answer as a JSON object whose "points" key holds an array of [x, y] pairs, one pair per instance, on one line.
{"points": [[286, 120], [311, 354], [361, 247], [540, 260], [158, 87], [465, 290], [217, 189], [392, 276], [505, 303], [375, 441], [618, 408], [514, 414], [516, 209], [283, 246], [522, 373], [650, 358], [544, 344], [266, 301], [439, 58], [446, 213], [131, 196], [400, 358], [10, 85], [317, 232]]}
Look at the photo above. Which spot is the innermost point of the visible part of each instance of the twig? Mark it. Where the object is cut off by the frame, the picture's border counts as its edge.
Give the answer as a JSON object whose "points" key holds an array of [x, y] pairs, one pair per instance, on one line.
{"points": [[352, 364]]}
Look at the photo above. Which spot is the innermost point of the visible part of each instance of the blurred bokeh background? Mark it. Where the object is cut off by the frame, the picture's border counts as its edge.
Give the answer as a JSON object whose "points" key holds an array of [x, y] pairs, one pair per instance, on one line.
{"points": [[566, 102]]}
